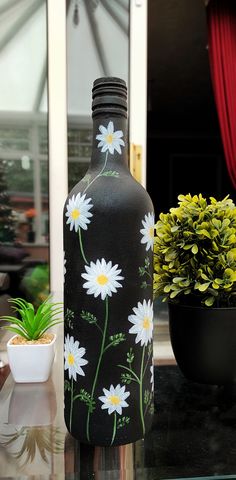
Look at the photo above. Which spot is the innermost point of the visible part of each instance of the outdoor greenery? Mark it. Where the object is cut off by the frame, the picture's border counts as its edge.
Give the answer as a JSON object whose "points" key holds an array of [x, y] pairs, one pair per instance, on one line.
{"points": [[29, 323], [7, 220], [195, 252]]}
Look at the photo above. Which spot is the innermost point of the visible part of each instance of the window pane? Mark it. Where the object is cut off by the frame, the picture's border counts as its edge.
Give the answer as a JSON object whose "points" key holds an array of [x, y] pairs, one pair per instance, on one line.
{"points": [[44, 200], [14, 139], [24, 150], [19, 178], [92, 24], [76, 170]]}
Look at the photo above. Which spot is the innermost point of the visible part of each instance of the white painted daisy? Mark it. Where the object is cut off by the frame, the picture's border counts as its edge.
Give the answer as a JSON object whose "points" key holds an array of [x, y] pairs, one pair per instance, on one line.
{"points": [[110, 140], [78, 212], [148, 231], [142, 322], [64, 266], [114, 399], [102, 278], [73, 357], [152, 376]]}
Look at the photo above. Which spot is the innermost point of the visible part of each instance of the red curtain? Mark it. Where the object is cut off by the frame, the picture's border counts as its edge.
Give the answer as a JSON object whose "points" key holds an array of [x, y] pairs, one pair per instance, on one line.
{"points": [[221, 20]]}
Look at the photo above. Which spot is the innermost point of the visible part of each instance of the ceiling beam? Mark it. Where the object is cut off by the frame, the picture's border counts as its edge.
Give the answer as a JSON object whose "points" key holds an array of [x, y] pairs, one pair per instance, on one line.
{"points": [[97, 39], [124, 4], [20, 22], [68, 3], [109, 8], [41, 86], [8, 5]]}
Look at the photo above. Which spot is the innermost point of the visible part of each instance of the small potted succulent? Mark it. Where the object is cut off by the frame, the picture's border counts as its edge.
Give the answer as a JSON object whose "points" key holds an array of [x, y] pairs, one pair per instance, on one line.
{"points": [[31, 350], [195, 272]]}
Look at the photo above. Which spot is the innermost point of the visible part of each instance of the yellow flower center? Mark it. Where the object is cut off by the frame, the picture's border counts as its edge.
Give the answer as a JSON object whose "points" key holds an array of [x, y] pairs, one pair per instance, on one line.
{"points": [[75, 214], [109, 138], [146, 323], [71, 359], [102, 279], [114, 399], [151, 232]]}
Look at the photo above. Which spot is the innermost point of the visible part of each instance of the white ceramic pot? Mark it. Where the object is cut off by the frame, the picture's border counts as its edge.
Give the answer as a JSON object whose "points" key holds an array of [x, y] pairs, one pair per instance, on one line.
{"points": [[31, 363]]}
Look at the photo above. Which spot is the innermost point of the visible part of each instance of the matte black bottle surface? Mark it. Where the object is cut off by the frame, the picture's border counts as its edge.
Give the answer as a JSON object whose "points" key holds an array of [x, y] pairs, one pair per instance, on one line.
{"points": [[108, 243]]}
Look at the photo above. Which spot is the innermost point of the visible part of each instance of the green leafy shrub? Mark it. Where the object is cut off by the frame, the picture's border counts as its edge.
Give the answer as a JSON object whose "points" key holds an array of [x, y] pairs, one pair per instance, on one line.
{"points": [[195, 252], [32, 324]]}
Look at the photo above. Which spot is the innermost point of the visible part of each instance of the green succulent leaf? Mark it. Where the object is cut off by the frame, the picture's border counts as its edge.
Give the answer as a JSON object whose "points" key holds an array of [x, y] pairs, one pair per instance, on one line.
{"points": [[30, 324]]}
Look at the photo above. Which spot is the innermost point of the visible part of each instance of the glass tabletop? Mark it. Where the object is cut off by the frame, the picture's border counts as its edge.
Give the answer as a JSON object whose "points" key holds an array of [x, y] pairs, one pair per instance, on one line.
{"points": [[193, 433]]}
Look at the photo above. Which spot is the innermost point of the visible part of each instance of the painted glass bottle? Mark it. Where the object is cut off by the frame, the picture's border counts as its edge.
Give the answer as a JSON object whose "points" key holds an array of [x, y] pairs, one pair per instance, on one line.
{"points": [[108, 300]]}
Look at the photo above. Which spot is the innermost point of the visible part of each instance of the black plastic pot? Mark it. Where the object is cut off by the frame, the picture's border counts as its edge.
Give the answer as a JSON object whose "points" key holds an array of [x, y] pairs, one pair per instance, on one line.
{"points": [[204, 342]]}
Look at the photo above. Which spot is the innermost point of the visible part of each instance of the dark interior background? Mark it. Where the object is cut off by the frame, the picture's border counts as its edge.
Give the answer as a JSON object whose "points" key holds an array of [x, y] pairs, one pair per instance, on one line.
{"points": [[184, 149]]}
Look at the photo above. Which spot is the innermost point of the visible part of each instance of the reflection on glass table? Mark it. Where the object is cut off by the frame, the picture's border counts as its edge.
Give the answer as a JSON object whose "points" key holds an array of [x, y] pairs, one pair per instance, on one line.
{"points": [[32, 405], [193, 433]]}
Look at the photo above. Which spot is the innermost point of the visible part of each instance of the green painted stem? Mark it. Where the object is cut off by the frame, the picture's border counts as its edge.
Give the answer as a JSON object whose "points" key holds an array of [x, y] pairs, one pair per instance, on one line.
{"points": [[130, 371], [114, 430], [81, 247], [99, 174], [141, 392], [71, 402], [98, 365], [145, 368]]}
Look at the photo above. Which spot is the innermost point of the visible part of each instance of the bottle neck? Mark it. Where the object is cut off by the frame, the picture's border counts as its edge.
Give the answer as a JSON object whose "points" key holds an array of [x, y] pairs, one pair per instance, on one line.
{"points": [[110, 143]]}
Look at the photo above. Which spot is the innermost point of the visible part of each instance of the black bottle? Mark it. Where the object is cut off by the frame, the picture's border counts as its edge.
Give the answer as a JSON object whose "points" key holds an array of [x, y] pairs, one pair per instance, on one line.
{"points": [[108, 244]]}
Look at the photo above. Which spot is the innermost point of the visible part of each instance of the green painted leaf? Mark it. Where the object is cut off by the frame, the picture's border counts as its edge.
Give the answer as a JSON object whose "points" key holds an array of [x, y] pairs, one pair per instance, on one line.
{"points": [[130, 356], [122, 422], [126, 378], [85, 397], [110, 173], [116, 339], [86, 178], [89, 317], [67, 386]]}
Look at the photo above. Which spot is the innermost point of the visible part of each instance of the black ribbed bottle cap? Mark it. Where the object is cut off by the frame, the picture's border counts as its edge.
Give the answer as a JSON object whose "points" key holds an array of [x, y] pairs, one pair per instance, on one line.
{"points": [[109, 96]]}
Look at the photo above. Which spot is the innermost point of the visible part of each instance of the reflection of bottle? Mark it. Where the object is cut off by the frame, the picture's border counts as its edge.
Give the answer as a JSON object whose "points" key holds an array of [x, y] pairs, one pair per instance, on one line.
{"points": [[108, 241], [89, 461]]}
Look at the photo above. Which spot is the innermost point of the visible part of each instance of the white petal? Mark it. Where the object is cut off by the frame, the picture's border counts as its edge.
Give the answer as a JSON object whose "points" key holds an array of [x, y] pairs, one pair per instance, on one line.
{"points": [[119, 409], [110, 128], [118, 134], [102, 129], [100, 137], [112, 148], [105, 147]]}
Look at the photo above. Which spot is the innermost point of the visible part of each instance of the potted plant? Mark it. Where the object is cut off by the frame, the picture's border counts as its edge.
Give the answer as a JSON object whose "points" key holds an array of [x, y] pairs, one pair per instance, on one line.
{"points": [[195, 272], [31, 350]]}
